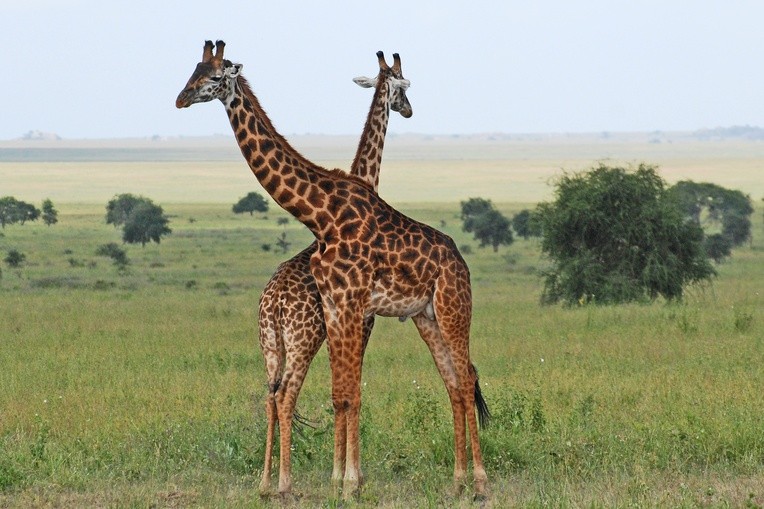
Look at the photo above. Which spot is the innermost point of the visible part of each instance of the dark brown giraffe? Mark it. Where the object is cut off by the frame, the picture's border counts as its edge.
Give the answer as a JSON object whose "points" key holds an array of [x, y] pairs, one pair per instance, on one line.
{"points": [[371, 259], [290, 319]]}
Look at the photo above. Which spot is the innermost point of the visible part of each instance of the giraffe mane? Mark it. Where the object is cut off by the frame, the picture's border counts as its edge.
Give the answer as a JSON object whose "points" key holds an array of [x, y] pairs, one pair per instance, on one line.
{"points": [[335, 173], [266, 120], [366, 128]]}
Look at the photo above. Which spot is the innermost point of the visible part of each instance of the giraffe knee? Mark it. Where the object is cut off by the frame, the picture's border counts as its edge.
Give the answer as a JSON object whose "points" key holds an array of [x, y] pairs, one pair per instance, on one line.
{"points": [[341, 405]]}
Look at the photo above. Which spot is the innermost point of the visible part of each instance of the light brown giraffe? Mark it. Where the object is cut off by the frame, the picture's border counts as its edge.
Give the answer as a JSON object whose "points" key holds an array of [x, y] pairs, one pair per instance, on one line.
{"points": [[371, 259], [290, 318]]}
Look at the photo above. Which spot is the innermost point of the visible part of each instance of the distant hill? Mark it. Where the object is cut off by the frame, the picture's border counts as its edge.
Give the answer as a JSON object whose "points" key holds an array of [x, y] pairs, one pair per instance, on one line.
{"points": [[744, 132], [39, 135]]}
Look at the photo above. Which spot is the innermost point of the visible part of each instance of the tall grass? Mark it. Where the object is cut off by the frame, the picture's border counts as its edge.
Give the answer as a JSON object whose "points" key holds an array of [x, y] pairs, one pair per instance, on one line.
{"points": [[145, 386]]}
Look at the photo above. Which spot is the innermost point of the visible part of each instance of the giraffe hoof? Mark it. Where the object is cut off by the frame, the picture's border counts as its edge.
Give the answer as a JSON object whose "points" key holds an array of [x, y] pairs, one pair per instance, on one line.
{"points": [[480, 498], [458, 488], [351, 490], [288, 497]]}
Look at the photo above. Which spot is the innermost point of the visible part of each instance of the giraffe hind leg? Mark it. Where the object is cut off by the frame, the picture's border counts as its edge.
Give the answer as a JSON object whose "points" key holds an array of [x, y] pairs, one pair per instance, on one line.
{"points": [[430, 333], [296, 369], [453, 308]]}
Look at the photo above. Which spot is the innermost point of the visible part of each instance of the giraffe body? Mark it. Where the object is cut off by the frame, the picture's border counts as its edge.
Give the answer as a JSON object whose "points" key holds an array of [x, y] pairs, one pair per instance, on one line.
{"points": [[370, 259], [290, 315]]}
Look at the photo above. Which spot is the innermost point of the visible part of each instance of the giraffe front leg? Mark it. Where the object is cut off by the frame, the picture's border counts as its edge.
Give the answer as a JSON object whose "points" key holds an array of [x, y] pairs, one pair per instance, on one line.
{"points": [[340, 420], [346, 343]]}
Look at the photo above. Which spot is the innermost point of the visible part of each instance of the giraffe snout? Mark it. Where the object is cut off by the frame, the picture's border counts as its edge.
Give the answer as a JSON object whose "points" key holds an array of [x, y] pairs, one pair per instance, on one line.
{"points": [[183, 100]]}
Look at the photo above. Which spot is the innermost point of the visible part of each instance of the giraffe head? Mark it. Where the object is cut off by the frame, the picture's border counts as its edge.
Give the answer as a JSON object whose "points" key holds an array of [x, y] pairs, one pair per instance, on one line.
{"points": [[213, 78], [396, 82]]}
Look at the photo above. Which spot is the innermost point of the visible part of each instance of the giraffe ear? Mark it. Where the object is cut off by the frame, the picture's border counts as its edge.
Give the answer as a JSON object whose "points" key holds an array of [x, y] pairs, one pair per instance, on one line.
{"points": [[365, 82], [233, 70], [400, 83]]}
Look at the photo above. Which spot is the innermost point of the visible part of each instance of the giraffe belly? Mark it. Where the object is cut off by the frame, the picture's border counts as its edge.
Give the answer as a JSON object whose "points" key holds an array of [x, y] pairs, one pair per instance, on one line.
{"points": [[403, 306]]}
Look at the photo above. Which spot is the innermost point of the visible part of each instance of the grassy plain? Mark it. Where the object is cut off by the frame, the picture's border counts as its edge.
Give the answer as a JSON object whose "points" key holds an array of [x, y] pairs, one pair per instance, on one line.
{"points": [[145, 387]]}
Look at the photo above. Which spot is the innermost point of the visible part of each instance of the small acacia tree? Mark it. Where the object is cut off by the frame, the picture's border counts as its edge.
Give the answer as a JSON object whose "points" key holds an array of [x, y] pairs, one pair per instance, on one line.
{"points": [[253, 202], [16, 211], [119, 208], [526, 224], [710, 204], [49, 213], [615, 235], [488, 225], [141, 220], [145, 223]]}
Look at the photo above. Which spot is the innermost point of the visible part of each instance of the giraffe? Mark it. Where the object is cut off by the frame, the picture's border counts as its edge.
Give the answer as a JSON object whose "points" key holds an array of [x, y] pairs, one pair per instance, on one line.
{"points": [[370, 259], [290, 318]]}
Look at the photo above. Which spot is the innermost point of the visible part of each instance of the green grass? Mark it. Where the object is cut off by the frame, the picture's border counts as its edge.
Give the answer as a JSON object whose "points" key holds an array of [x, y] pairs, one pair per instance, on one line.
{"points": [[145, 386]]}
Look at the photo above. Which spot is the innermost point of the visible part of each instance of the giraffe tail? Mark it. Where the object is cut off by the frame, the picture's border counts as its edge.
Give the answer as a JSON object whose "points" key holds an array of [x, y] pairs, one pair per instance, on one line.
{"points": [[299, 421], [484, 415]]}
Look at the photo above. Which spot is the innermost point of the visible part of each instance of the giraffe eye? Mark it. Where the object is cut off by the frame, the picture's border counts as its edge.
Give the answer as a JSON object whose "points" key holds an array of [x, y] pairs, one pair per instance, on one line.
{"points": [[216, 78]]}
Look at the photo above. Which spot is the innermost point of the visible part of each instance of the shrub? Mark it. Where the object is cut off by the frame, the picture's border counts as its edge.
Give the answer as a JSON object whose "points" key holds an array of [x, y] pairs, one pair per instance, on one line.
{"points": [[15, 258], [113, 251]]}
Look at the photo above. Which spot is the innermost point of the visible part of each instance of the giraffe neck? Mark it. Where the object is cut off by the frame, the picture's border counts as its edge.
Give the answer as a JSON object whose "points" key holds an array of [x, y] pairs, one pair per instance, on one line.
{"points": [[290, 179], [368, 157]]}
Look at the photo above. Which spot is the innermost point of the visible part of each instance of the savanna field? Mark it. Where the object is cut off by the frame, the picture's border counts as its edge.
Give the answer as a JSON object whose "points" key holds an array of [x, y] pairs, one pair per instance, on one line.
{"points": [[144, 386]]}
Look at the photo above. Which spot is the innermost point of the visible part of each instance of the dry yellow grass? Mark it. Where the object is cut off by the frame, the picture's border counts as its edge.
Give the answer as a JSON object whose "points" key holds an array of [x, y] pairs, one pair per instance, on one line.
{"points": [[416, 169]]}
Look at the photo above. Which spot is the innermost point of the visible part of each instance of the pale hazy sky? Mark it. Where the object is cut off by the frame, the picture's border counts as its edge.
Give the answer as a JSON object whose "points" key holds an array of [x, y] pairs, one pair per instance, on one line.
{"points": [[102, 69]]}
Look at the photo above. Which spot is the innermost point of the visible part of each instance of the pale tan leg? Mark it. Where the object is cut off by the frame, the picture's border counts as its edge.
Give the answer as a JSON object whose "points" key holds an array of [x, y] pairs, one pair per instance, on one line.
{"points": [[273, 366], [270, 412]]}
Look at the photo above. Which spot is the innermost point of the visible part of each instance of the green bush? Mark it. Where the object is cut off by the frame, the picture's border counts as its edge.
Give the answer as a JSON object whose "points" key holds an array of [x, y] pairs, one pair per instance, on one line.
{"points": [[15, 258], [113, 251]]}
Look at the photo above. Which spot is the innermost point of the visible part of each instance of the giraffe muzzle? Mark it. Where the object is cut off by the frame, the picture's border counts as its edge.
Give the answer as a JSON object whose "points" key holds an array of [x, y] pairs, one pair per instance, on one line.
{"points": [[182, 101]]}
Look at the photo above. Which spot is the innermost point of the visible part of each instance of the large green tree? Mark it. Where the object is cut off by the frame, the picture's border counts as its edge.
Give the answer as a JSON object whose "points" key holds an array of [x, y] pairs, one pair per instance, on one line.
{"points": [[616, 235]]}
